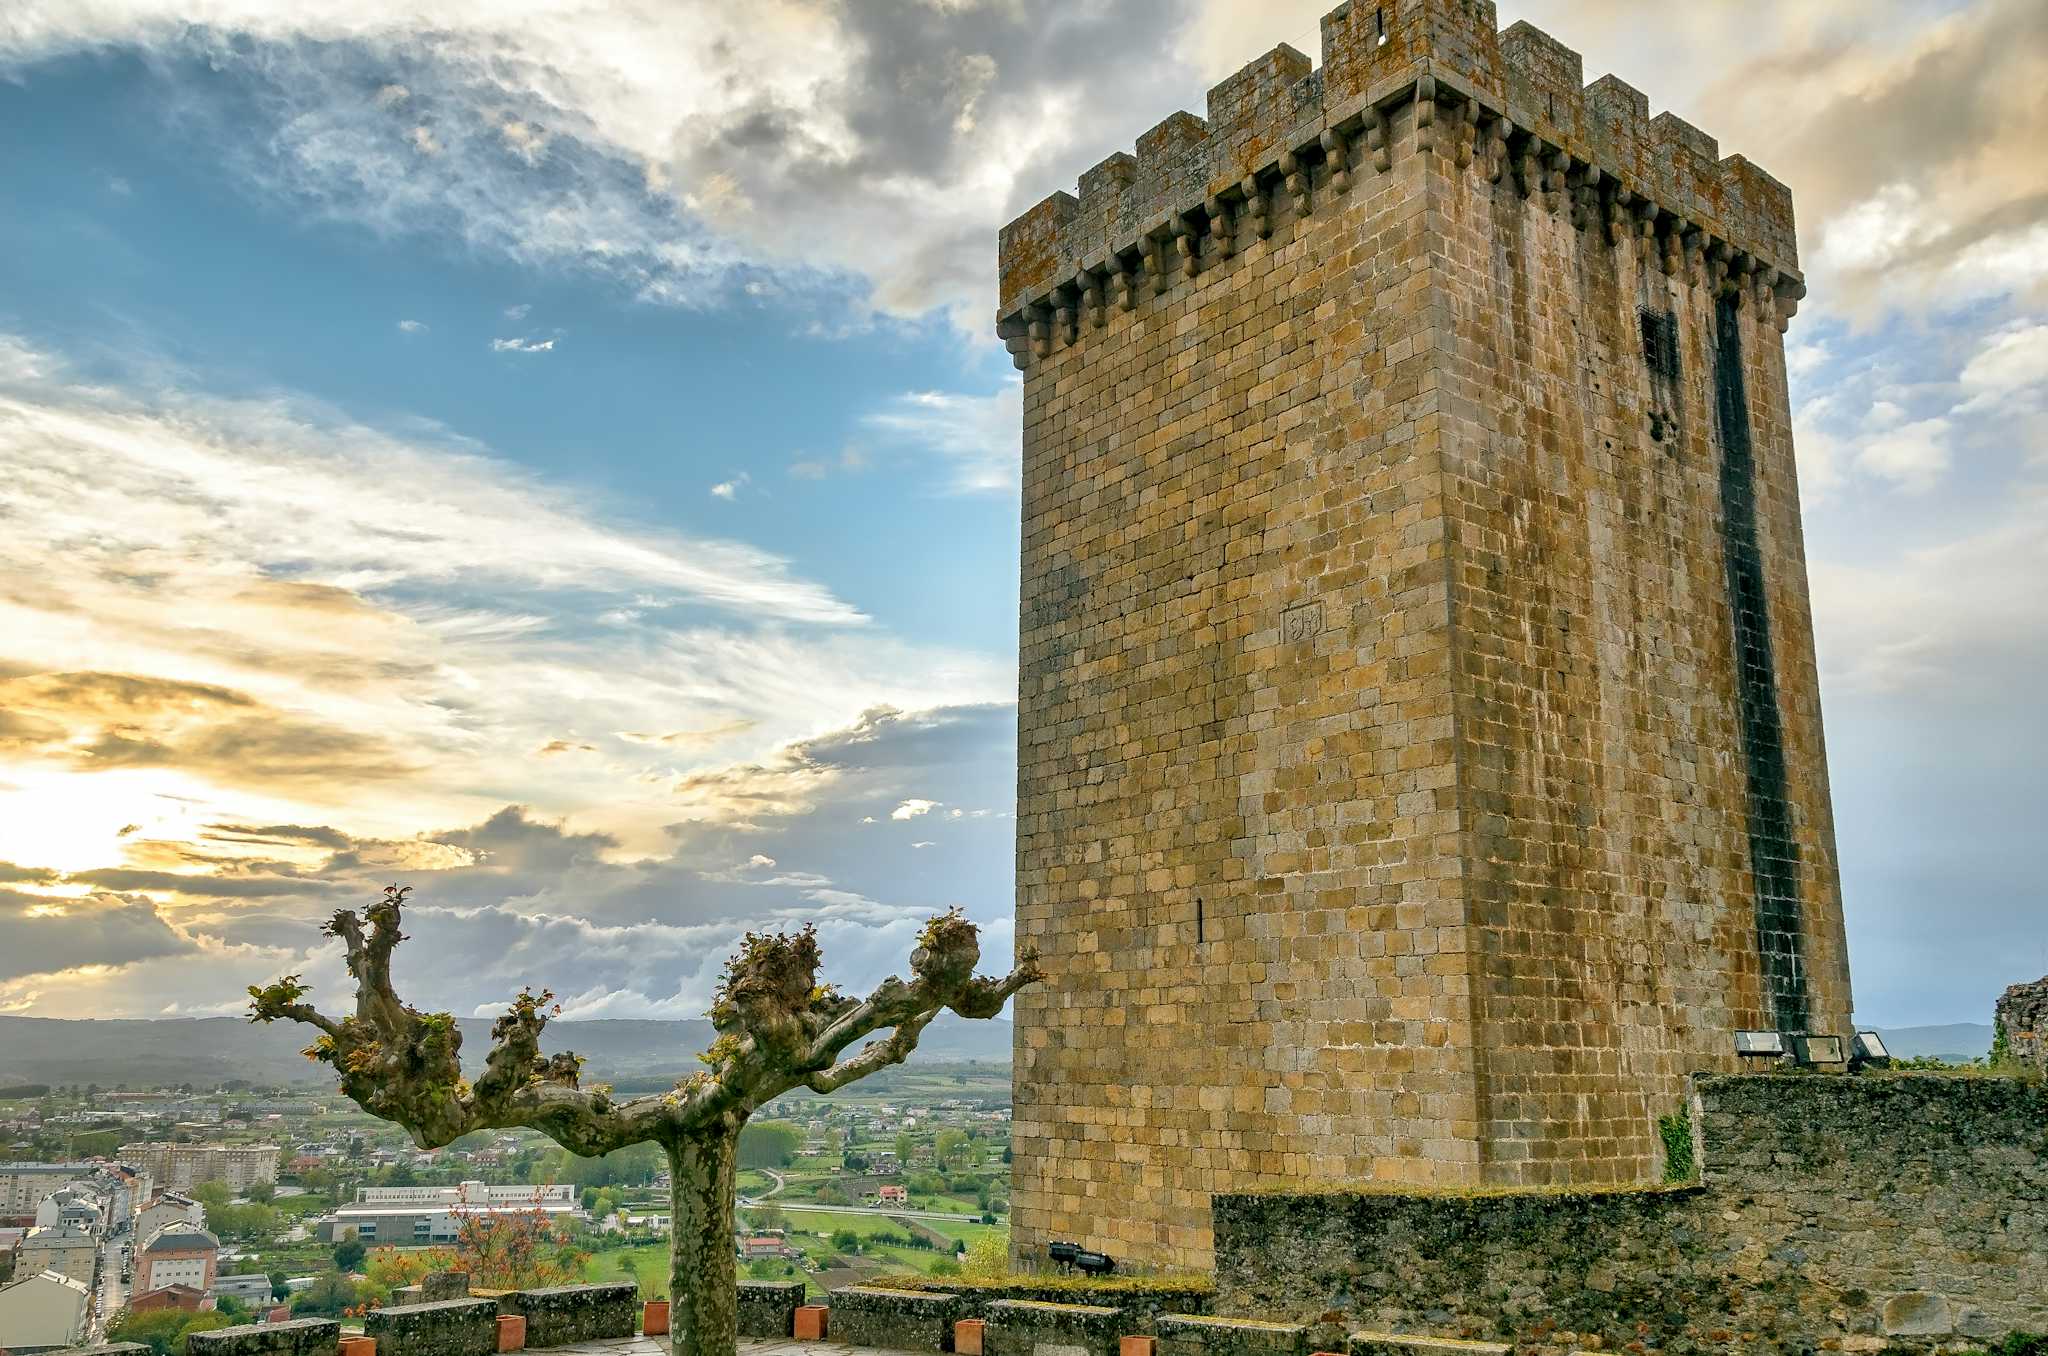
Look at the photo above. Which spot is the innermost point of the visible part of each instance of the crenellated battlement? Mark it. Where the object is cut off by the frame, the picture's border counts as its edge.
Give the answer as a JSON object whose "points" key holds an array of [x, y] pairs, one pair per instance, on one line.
{"points": [[1511, 105]]}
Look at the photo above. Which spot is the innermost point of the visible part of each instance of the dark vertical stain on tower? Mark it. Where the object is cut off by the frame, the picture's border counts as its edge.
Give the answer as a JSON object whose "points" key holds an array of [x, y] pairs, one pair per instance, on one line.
{"points": [[1774, 856]]}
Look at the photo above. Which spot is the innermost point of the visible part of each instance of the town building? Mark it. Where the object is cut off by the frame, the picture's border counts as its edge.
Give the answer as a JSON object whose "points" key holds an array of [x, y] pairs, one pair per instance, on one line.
{"points": [[179, 1254], [1420, 755], [62, 1248], [252, 1289], [185, 1297], [180, 1166], [23, 1185], [44, 1309], [169, 1208], [426, 1214]]}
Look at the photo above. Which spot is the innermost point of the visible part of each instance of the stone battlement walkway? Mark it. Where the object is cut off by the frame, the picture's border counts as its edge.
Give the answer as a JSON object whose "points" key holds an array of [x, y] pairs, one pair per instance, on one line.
{"points": [[749, 1346]]}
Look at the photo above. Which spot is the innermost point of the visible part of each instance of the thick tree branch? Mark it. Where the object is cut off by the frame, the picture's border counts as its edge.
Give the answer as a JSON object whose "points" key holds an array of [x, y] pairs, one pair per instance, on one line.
{"points": [[405, 1066]]}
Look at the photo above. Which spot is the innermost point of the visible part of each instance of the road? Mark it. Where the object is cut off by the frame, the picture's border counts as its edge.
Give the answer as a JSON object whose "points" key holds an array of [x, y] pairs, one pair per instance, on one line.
{"points": [[112, 1292], [860, 1210]]}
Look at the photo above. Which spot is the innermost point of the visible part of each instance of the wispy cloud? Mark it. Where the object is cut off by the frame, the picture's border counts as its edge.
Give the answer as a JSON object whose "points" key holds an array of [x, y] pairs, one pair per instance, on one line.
{"points": [[250, 610], [412, 326], [522, 345], [729, 490], [974, 438]]}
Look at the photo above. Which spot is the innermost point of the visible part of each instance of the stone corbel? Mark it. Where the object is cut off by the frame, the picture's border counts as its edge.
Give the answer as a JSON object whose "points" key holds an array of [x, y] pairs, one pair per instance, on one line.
{"points": [[1377, 133], [1337, 149], [1296, 175], [1041, 331], [1222, 225], [1614, 207], [1016, 339], [1528, 175], [1255, 202], [1089, 283], [1425, 112], [1497, 129], [1695, 255], [1674, 248], [1585, 195], [1468, 132], [1126, 285], [1646, 218], [1187, 245], [1557, 164], [1718, 261], [1155, 264]]}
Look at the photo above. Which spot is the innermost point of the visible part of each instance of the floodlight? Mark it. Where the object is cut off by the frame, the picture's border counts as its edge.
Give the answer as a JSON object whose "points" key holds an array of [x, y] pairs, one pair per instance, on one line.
{"points": [[1760, 1045], [1810, 1051], [1867, 1051], [1094, 1263]]}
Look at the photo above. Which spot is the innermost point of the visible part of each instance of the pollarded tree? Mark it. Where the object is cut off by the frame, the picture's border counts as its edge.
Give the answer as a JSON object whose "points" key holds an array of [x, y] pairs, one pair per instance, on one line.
{"points": [[778, 1029]]}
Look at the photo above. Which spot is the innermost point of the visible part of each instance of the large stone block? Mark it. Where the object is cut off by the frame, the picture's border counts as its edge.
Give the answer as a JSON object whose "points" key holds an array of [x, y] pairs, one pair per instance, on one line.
{"points": [[768, 1308], [1208, 1335], [1039, 1328], [901, 1320], [558, 1315], [294, 1337], [452, 1327]]}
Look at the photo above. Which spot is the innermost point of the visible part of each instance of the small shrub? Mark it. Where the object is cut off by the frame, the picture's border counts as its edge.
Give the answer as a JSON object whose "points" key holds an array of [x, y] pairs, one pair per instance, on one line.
{"points": [[1676, 1131]]}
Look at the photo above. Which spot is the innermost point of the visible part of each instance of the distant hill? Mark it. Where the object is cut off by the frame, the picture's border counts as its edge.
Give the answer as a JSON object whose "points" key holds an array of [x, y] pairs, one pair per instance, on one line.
{"points": [[1956, 1042], [209, 1050]]}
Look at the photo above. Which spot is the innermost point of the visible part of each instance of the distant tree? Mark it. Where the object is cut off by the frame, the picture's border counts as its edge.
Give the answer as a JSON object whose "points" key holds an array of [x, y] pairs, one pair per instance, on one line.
{"points": [[329, 1294], [770, 1217], [949, 1147], [778, 1029], [854, 1162], [348, 1254], [280, 1285], [212, 1195], [163, 1330], [516, 1251], [262, 1193], [769, 1144], [845, 1240], [904, 1145], [387, 1269]]}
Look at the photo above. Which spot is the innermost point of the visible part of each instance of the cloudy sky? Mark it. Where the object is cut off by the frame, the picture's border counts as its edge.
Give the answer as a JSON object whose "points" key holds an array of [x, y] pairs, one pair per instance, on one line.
{"points": [[554, 452]]}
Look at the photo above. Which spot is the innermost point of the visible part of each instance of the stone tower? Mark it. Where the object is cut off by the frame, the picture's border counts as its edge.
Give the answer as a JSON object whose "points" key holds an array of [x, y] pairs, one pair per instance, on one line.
{"points": [[1420, 747]]}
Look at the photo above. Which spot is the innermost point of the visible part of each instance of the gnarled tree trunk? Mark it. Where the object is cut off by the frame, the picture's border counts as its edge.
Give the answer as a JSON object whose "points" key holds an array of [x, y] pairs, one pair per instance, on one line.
{"points": [[703, 1280]]}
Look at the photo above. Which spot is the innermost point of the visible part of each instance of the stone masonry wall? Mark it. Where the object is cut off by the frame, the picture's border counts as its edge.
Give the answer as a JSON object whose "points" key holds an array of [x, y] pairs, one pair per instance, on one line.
{"points": [[2021, 1021], [1645, 822], [1834, 1212], [1420, 765]]}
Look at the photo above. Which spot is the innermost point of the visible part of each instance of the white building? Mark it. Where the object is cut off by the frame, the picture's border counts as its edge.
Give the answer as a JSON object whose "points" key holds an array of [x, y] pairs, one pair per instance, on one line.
{"points": [[179, 1254], [408, 1215], [179, 1167], [169, 1208], [76, 1204], [250, 1289], [44, 1310], [23, 1185]]}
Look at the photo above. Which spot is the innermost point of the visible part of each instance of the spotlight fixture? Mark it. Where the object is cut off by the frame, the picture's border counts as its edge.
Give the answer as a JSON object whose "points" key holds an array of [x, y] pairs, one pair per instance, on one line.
{"points": [[1867, 1051], [1759, 1045], [1072, 1256], [1810, 1052]]}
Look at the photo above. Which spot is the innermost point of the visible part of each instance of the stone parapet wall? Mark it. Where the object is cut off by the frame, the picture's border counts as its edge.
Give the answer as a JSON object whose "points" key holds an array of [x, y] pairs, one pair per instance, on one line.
{"points": [[1510, 101], [1025, 1327], [899, 1320], [1864, 1213], [294, 1337], [768, 1308], [2021, 1023], [451, 1327], [557, 1315], [1203, 1335], [1140, 1301]]}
